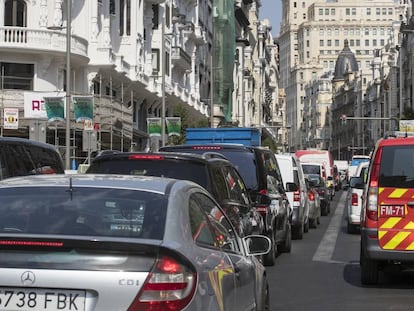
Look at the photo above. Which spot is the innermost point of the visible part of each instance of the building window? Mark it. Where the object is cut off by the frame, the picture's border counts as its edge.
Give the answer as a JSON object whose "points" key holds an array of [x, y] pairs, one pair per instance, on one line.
{"points": [[368, 11], [367, 31], [320, 42], [354, 11], [320, 11], [374, 31], [347, 11], [336, 31], [378, 11], [125, 17], [382, 31], [294, 4], [307, 43], [358, 42], [382, 42], [15, 13], [307, 54], [374, 42], [155, 54], [390, 11], [326, 11], [329, 43], [167, 63], [384, 11], [333, 11], [336, 42], [321, 32], [155, 16], [367, 42], [329, 31], [367, 64], [112, 7], [351, 42], [17, 76]]}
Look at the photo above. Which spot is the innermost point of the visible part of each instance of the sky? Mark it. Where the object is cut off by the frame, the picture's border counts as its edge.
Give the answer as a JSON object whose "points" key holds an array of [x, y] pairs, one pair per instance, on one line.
{"points": [[272, 10]]}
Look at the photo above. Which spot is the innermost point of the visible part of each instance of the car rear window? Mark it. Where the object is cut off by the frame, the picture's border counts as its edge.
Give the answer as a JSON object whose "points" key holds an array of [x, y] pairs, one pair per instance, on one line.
{"points": [[171, 168], [311, 169], [83, 211], [244, 161], [397, 167]]}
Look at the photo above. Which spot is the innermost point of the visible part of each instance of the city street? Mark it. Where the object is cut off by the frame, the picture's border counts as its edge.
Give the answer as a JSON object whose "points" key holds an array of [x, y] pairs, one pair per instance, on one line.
{"points": [[322, 273]]}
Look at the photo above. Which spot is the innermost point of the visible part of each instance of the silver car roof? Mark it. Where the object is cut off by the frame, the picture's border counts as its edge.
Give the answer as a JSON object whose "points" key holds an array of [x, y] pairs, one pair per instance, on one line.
{"points": [[145, 183]]}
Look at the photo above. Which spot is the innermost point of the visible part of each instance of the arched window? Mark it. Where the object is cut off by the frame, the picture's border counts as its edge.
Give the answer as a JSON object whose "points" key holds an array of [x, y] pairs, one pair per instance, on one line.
{"points": [[15, 13]]}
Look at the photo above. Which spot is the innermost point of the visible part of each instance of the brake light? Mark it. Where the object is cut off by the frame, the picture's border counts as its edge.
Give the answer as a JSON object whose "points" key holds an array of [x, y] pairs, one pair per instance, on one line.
{"points": [[372, 193], [207, 148], [263, 191], [296, 196], [31, 243], [170, 286], [262, 209], [311, 196], [354, 199], [145, 157]]}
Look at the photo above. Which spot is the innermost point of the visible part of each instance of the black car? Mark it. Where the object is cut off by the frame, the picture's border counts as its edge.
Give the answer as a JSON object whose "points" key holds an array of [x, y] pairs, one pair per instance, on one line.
{"points": [[22, 157], [260, 172], [210, 170]]}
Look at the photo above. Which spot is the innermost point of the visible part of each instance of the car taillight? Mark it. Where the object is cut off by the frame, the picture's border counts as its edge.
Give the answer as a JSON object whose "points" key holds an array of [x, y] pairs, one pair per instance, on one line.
{"points": [[145, 157], [311, 196], [296, 196], [262, 209], [170, 286], [354, 199], [372, 193], [207, 148], [263, 191]]}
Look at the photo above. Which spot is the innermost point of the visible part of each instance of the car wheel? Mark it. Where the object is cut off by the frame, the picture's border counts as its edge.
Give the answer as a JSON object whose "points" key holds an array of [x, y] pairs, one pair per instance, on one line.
{"points": [[286, 247], [369, 269], [298, 232], [306, 226], [264, 303], [350, 228], [270, 258], [312, 223]]}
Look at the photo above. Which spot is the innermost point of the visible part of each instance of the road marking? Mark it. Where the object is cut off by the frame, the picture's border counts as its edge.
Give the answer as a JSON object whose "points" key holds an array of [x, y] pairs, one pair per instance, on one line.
{"points": [[327, 245]]}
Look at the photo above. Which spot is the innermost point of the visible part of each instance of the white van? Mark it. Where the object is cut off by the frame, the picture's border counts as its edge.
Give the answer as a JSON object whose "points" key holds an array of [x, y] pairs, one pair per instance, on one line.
{"points": [[291, 172]]}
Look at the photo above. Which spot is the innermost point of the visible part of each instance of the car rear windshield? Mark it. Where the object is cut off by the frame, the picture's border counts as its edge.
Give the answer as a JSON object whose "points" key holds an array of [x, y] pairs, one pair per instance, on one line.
{"points": [[311, 169], [163, 167], [244, 162], [397, 167], [83, 211]]}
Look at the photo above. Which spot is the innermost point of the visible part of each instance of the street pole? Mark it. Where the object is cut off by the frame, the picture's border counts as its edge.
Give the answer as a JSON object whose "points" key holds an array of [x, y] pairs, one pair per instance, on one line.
{"points": [[68, 82], [162, 58]]}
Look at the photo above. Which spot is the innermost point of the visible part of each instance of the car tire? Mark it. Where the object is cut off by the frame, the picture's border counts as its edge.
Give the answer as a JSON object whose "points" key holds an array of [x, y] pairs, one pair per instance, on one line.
{"points": [[298, 232], [350, 228], [270, 258], [286, 247], [264, 303], [369, 269], [306, 226]]}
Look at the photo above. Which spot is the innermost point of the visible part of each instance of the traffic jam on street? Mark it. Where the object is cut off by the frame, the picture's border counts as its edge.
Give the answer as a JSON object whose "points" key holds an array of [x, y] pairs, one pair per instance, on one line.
{"points": [[190, 228]]}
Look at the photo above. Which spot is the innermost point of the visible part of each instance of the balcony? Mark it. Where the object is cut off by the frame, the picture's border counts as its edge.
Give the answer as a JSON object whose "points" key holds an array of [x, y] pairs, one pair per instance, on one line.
{"points": [[36, 40], [180, 58]]}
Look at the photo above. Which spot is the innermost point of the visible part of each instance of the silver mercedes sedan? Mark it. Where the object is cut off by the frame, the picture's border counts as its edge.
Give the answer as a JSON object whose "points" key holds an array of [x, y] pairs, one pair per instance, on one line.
{"points": [[96, 242]]}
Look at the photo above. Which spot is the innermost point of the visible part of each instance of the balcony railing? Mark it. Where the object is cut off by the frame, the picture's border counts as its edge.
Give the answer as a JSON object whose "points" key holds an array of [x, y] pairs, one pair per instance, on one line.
{"points": [[40, 39], [180, 58]]}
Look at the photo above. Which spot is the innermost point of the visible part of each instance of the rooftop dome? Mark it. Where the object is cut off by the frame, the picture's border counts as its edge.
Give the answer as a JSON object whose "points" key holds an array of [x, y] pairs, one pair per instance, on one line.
{"points": [[345, 63]]}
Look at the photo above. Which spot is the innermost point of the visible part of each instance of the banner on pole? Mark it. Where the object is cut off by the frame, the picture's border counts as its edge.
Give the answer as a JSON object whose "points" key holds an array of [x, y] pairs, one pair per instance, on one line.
{"points": [[173, 126], [55, 108], [11, 118], [154, 127], [83, 107]]}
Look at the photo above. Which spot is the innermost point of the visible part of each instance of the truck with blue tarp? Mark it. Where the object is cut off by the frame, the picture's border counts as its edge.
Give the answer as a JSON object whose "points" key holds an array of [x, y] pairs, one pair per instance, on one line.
{"points": [[236, 135]]}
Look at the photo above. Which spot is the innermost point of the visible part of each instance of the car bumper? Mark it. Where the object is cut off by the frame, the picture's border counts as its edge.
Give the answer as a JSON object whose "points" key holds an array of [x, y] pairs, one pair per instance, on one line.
{"points": [[354, 218], [374, 251]]}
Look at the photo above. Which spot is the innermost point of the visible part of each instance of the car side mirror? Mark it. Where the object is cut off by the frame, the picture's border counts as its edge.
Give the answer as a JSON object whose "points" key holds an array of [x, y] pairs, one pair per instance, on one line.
{"points": [[291, 187], [261, 199], [257, 244]]}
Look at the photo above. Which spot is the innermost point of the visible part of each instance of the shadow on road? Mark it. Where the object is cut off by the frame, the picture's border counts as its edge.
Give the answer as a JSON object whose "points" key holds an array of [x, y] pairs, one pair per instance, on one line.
{"points": [[391, 278]]}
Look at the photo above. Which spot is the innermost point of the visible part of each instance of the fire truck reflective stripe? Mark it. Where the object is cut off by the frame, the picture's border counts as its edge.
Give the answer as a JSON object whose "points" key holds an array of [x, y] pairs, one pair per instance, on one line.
{"points": [[397, 193], [410, 225], [410, 247], [381, 234], [390, 223], [396, 240]]}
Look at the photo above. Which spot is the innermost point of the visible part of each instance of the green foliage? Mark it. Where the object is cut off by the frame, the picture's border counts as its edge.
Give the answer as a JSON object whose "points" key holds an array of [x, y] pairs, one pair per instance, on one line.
{"points": [[182, 111], [268, 142]]}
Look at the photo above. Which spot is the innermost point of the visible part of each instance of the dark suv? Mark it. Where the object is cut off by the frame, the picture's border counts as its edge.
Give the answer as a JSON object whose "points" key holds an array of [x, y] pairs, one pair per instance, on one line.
{"points": [[260, 172], [210, 170]]}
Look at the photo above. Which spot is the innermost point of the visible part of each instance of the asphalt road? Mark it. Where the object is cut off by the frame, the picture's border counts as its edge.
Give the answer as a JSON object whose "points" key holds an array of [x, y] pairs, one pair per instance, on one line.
{"points": [[322, 273]]}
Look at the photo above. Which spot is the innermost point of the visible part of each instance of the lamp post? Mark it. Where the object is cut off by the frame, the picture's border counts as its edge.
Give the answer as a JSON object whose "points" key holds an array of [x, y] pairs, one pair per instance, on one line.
{"points": [[68, 83], [163, 81]]}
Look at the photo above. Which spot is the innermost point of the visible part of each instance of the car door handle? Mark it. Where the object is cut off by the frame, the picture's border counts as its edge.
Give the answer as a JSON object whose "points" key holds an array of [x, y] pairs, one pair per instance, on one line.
{"points": [[410, 204]]}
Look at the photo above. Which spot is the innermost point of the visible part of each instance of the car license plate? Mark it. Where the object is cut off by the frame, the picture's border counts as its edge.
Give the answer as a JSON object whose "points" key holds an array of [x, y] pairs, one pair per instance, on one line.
{"points": [[37, 299], [392, 211]]}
